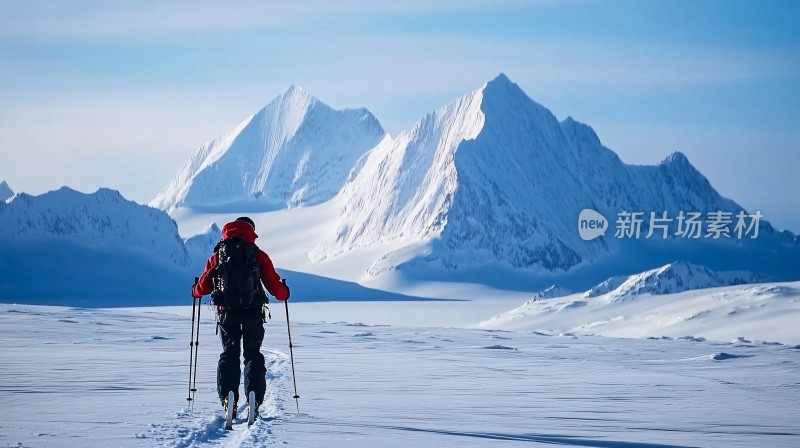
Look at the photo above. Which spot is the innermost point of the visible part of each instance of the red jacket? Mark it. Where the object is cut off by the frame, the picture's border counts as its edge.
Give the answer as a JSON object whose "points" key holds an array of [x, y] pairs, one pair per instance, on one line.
{"points": [[269, 277]]}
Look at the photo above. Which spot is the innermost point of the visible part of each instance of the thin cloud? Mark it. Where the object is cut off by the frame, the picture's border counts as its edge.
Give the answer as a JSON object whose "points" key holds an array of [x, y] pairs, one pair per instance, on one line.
{"points": [[86, 18]]}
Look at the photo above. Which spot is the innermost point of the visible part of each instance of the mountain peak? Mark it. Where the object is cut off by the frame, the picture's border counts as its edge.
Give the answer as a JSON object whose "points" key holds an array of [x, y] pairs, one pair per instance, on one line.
{"points": [[502, 86], [574, 127], [295, 100], [294, 89], [501, 78], [676, 158], [679, 165], [503, 96], [5, 191], [295, 151]]}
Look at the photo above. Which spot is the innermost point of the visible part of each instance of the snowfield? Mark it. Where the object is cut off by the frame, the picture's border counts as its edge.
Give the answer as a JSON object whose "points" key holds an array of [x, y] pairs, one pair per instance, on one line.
{"points": [[492, 180], [119, 377], [765, 313]]}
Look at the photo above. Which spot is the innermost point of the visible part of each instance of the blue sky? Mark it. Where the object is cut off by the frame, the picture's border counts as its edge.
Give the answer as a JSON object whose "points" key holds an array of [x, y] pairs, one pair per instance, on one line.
{"points": [[120, 94]]}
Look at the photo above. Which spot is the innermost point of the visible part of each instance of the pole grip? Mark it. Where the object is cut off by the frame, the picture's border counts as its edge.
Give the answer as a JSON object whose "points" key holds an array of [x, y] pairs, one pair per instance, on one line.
{"points": [[196, 281]]}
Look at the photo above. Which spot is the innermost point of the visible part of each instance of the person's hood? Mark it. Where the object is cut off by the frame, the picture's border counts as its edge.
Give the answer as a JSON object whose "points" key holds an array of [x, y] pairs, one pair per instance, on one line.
{"points": [[239, 229]]}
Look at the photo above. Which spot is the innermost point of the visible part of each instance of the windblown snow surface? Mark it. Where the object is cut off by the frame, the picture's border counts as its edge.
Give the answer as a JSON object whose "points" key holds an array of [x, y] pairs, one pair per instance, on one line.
{"points": [[98, 378]]}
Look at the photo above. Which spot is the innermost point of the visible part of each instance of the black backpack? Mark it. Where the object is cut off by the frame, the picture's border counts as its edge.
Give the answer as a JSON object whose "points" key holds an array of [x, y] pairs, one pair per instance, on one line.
{"points": [[237, 276]]}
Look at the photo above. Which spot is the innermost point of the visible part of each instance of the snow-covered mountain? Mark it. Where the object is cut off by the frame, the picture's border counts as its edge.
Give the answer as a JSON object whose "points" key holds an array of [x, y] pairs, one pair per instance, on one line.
{"points": [[670, 279], [101, 250], [103, 220], [550, 292], [201, 245], [5, 191], [98, 249], [676, 300], [295, 151], [495, 178]]}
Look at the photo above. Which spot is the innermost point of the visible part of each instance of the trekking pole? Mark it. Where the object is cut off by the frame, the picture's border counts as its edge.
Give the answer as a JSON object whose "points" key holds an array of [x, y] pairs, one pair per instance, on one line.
{"points": [[191, 341], [196, 343], [291, 355]]}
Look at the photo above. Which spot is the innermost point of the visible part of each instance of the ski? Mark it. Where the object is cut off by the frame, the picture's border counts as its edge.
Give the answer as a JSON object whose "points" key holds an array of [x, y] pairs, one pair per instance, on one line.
{"points": [[252, 408], [229, 412]]}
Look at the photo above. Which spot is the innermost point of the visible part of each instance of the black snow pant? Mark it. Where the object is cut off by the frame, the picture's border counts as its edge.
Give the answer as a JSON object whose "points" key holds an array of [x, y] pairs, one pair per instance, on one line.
{"points": [[237, 329]]}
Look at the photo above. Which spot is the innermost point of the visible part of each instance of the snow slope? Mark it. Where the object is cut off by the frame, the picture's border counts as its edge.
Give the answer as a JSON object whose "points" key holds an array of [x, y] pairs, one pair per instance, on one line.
{"points": [[404, 186], [494, 178], [5, 191], [674, 301], [295, 151], [386, 386]]}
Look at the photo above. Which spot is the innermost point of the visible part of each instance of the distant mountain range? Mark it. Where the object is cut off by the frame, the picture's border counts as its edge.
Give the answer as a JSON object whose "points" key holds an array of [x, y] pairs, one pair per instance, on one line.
{"points": [[492, 179], [67, 247], [103, 221], [70, 248], [495, 177], [487, 189]]}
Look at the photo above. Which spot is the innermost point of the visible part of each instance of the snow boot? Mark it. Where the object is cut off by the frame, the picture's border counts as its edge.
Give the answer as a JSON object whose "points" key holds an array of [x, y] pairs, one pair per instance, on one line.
{"points": [[225, 406]]}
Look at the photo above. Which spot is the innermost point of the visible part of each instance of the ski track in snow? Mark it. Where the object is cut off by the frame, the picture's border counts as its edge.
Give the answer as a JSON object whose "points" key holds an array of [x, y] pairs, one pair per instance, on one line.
{"points": [[204, 427], [398, 387]]}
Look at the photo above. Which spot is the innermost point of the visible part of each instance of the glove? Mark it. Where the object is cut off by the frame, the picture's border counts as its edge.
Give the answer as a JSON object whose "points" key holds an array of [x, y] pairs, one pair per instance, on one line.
{"points": [[194, 296], [288, 293]]}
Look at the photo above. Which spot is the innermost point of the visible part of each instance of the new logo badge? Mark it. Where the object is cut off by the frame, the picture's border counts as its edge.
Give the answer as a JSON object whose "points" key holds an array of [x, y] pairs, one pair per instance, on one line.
{"points": [[591, 224]]}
